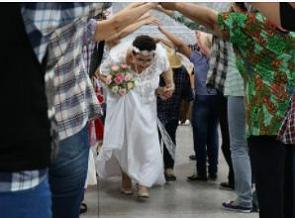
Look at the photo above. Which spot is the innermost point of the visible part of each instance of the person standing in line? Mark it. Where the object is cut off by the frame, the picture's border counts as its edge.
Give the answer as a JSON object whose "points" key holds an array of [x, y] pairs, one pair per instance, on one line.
{"points": [[72, 101], [204, 113], [169, 110], [265, 59]]}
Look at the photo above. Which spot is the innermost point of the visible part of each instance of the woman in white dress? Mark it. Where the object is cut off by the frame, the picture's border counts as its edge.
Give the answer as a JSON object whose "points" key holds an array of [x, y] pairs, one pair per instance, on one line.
{"points": [[131, 132]]}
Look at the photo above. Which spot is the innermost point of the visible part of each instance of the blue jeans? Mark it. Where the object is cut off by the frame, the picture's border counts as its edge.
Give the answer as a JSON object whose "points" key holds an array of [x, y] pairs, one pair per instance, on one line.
{"points": [[240, 150], [204, 123], [31, 203], [67, 175]]}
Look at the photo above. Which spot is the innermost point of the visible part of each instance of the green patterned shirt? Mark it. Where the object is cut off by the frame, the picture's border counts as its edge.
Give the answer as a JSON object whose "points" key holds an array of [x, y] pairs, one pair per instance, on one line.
{"points": [[266, 60]]}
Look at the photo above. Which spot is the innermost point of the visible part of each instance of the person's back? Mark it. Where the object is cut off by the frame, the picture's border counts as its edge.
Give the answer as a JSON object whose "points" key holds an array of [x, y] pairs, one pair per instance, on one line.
{"points": [[25, 146]]}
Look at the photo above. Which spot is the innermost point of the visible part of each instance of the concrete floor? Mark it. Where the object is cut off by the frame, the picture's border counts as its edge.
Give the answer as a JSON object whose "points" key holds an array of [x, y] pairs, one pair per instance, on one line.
{"points": [[180, 199]]}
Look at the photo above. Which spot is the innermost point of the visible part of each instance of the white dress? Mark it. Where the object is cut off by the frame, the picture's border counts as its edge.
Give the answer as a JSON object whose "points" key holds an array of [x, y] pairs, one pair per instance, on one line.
{"points": [[131, 132]]}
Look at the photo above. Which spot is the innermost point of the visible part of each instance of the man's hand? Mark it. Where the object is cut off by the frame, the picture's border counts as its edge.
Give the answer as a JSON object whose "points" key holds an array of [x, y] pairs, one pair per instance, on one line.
{"points": [[169, 90], [151, 20], [169, 5], [165, 92]]}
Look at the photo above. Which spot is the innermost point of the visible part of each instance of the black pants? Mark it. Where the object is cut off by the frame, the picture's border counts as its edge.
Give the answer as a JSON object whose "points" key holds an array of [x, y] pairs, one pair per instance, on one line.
{"points": [[170, 127], [273, 168], [225, 146]]}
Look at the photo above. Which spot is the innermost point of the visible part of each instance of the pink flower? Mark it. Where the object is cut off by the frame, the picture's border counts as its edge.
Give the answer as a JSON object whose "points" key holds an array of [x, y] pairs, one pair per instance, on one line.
{"points": [[115, 68], [119, 78], [122, 92], [128, 77], [124, 66]]}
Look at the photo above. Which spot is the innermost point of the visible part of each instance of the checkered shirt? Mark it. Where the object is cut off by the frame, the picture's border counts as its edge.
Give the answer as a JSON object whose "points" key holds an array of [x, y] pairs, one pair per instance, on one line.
{"points": [[170, 109], [218, 64], [65, 29], [59, 31], [19, 181], [287, 131]]}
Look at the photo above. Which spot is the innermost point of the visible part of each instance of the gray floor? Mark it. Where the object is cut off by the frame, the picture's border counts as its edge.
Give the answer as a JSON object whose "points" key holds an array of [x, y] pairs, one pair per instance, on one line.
{"points": [[180, 199]]}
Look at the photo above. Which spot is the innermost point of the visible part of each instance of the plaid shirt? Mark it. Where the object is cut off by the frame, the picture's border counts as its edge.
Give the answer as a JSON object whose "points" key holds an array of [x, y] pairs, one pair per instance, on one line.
{"points": [[19, 181], [218, 64], [287, 131], [66, 29], [170, 109], [60, 31]]}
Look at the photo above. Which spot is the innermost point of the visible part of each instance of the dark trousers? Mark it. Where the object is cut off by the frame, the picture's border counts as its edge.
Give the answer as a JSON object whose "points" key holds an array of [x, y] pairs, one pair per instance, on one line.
{"points": [[225, 146], [204, 123], [170, 127], [273, 167]]}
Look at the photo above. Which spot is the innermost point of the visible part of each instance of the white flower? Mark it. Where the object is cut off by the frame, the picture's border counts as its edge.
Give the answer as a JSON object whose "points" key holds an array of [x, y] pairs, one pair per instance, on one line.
{"points": [[115, 89]]}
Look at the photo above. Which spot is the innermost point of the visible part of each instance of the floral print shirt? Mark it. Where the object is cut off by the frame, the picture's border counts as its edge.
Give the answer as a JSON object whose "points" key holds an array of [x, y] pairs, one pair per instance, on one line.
{"points": [[266, 60]]}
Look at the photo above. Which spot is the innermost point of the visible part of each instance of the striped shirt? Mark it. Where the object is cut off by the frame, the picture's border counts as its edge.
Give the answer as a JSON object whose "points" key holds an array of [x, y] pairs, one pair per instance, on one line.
{"points": [[234, 84]]}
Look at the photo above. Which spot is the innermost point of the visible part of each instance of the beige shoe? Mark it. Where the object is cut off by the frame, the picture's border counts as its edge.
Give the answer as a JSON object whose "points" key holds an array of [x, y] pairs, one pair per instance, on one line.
{"points": [[142, 192]]}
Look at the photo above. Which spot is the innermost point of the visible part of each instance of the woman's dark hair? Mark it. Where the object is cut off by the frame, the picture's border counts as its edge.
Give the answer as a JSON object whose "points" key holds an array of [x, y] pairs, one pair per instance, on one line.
{"points": [[242, 6], [144, 42]]}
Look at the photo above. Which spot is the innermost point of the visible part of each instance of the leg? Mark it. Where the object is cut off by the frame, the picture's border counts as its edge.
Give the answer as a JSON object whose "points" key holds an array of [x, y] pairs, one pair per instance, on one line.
{"points": [[268, 157], [225, 146], [126, 184], [31, 203], [68, 174], [212, 139], [170, 127], [240, 151], [200, 126]]}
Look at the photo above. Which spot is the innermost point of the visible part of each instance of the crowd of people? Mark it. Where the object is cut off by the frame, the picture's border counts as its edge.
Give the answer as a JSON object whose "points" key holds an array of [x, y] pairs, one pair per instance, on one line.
{"points": [[76, 76]]}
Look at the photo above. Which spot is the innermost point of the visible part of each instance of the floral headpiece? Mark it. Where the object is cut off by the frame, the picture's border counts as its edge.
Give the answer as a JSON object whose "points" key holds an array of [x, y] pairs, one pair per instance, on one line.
{"points": [[144, 52]]}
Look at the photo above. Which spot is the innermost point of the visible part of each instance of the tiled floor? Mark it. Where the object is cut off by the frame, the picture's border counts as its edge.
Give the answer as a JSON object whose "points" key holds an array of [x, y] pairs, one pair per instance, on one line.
{"points": [[180, 199]]}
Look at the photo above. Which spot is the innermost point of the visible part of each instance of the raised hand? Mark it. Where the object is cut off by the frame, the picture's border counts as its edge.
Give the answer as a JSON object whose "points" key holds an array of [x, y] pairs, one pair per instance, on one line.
{"points": [[152, 21]]}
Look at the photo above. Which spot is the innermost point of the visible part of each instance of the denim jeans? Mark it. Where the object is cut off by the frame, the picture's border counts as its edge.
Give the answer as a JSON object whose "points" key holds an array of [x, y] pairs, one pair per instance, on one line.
{"points": [[67, 175], [31, 203], [204, 123], [225, 145], [240, 150]]}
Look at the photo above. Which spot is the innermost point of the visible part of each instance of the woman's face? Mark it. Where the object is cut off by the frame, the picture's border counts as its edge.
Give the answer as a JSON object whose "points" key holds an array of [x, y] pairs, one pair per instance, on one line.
{"points": [[143, 61]]}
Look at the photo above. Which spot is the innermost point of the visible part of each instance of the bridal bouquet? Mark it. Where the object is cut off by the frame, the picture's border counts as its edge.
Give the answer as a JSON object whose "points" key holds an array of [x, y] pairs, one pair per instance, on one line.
{"points": [[120, 80]]}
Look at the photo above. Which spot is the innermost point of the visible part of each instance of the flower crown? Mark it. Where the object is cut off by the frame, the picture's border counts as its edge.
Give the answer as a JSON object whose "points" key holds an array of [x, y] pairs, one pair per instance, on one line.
{"points": [[144, 52]]}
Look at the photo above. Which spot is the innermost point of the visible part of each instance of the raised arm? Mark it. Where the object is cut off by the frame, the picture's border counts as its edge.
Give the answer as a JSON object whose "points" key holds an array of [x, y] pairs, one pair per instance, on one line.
{"points": [[200, 14], [178, 43], [272, 11], [167, 43], [133, 27], [107, 28]]}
